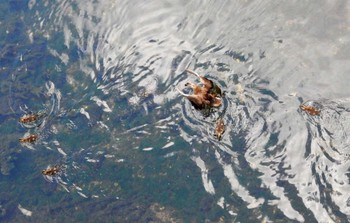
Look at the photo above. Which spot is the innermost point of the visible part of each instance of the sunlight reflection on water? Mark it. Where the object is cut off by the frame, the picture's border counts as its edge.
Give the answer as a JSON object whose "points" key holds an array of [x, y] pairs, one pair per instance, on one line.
{"points": [[120, 62]]}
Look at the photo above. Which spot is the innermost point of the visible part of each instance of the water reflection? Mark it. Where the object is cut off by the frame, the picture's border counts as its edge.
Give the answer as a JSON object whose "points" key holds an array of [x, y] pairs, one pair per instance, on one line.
{"points": [[121, 128]]}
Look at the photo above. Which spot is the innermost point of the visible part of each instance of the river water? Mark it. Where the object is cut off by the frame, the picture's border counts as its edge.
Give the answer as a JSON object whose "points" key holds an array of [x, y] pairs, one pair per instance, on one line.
{"points": [[132, 149]]}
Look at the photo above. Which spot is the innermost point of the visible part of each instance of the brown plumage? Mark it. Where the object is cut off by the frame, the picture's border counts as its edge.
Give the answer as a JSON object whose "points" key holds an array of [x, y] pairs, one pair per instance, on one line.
{"points": [[205, 96], [311, 110], [208, 84], [33, 119], [28, 118], [52, 171], [219, 128], [29, 139]]}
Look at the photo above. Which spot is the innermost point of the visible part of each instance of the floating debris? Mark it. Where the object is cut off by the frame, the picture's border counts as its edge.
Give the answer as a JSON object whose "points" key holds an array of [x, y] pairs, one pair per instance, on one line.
{"points": [[311, 107], [205, 96], [29, 139], [219, 128]]}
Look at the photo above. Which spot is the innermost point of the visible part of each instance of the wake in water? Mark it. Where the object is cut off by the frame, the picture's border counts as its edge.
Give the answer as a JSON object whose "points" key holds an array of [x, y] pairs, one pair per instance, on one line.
{"points": [[36, 122], [122, 130], [39, 134]]}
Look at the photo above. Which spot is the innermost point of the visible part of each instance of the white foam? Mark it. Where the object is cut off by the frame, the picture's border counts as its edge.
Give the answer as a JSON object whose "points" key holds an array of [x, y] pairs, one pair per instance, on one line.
{"points": [[208, 185], [31, 36], [64, 57], [103, 125], [236, 186], [78, 188], [87, 115], [159, 99], [50, 88], [148, 149], [134, 100], [109, 156], [81, 194], [29, 146], [169, 154], [24, 211], [145, 107], [101, 103], [61, 151], [168, 145], [91, 160], [221, 202], [136, 128], [64, 187]]}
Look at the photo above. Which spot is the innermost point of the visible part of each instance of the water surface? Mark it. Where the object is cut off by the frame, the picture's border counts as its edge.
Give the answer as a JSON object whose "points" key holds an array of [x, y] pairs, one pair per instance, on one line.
{"points": [[136, 151]]}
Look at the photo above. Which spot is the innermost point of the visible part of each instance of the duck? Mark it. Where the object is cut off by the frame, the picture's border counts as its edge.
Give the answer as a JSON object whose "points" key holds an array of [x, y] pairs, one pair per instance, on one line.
{"points": [[311, 108], [29, 139], [52, 171], [219, 128], [205, 96]]}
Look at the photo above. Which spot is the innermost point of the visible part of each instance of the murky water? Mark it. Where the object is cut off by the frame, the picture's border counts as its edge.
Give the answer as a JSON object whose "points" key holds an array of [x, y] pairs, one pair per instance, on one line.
{"points": [[134, 150]]}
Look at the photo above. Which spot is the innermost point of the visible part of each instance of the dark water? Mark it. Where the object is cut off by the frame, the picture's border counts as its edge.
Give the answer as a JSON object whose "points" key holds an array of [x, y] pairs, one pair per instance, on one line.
{"points": [[104, 72]]}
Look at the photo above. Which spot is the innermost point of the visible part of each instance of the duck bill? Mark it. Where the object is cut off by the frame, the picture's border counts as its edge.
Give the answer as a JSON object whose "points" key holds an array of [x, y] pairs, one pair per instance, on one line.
{"points": [[192, 72]]}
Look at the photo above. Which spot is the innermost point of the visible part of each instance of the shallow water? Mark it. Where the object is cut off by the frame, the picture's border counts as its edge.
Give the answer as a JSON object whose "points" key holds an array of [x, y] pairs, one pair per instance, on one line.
{"points": [[104, 72]]}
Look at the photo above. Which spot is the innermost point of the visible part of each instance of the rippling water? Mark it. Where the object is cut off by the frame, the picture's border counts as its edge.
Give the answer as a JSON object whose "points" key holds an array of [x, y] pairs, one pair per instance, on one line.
{"points": [[134, 150]]}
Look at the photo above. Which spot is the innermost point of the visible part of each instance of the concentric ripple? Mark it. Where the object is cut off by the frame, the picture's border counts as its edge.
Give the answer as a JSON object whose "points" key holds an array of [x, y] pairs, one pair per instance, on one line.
{"points": [[125, 133]]}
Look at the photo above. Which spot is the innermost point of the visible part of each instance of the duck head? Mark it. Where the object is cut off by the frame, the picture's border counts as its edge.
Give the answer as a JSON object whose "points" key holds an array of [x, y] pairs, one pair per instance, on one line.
{"points": [[204, 96]]}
